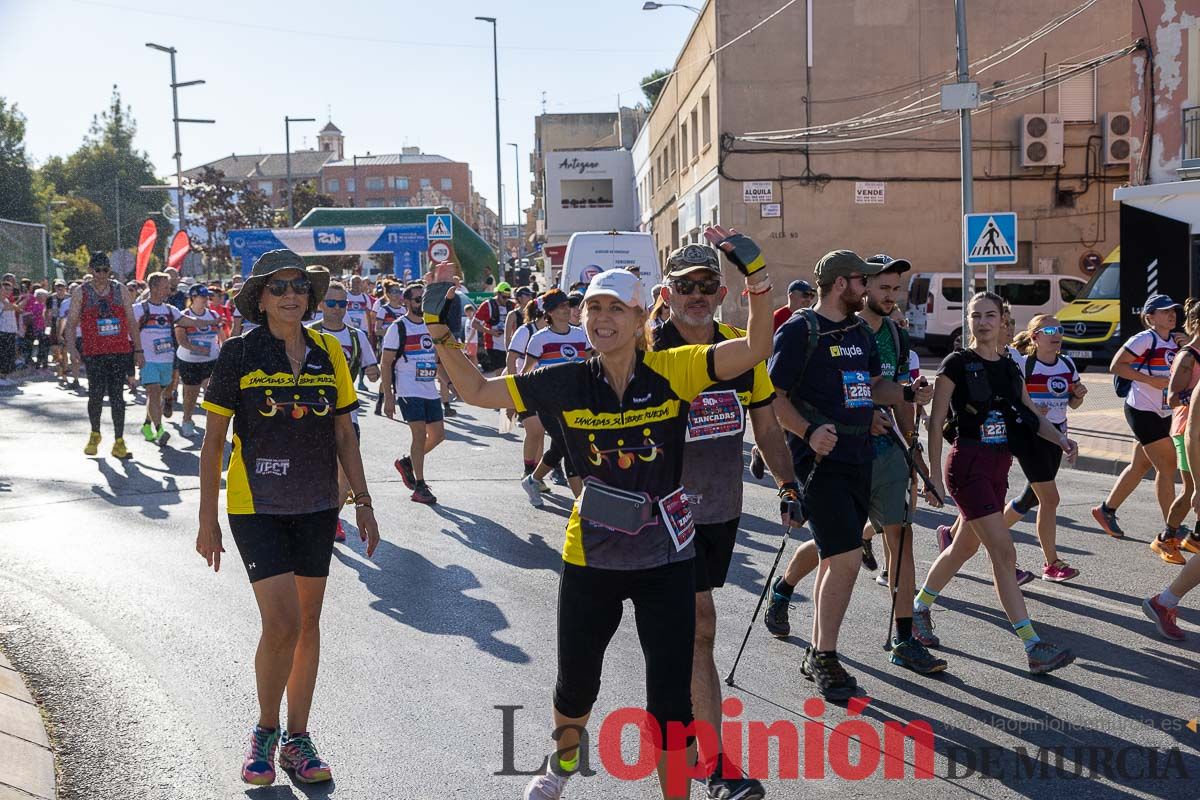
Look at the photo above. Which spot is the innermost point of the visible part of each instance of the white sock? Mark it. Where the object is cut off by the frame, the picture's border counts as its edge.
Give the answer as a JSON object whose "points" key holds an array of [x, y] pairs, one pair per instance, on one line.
{"points": [[1166, 599]]}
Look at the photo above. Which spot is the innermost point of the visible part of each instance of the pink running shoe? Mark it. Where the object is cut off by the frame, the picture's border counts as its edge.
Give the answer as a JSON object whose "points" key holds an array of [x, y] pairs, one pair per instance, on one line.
{"points": [[340, 536], [299, 756], [259, 766], [945, 536], [1058, 572], [1163, 618]]}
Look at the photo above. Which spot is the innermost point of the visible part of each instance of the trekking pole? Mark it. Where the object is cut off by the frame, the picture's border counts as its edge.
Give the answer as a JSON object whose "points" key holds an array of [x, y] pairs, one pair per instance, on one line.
{"points": [[794, 513]]}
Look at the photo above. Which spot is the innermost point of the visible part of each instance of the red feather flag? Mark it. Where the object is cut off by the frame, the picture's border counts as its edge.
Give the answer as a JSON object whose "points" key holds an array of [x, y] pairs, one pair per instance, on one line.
{"points": [[145, 247], [180, 245]]}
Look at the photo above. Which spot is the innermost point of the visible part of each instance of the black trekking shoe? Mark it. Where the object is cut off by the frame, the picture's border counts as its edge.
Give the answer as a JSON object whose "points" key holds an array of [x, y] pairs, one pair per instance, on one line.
{"points": [[758, 467], [833, 682], [806, 667], [447, 411], [868, 553], [913, 655], [405, 467], [735, 788], [776, 618]]}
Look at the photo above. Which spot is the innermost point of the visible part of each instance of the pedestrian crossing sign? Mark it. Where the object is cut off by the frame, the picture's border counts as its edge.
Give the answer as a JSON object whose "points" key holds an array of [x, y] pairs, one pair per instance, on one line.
{"points": [[439, 226], [990, 238]]}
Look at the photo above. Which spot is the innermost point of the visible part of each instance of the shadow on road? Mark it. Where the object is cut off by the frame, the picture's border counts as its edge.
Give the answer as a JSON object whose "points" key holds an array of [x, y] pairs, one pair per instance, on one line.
{"points": [[129, 486], [414, 591], [493, 540]]}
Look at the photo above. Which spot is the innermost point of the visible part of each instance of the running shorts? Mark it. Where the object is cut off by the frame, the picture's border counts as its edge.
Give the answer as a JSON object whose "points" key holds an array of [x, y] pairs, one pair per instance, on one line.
{"points": [[889, 488], [193, 373], [977, 477], [276, 544], [1147, 426], [155, 373], [1042, 462], [1181, 452], [714, 550], [590, 602], [836, 504], [492, 360], [420, 409]]}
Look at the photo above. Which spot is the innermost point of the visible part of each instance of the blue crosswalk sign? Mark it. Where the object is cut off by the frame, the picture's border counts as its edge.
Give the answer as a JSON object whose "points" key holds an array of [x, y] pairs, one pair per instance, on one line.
{"points": [[990, 238], [439, 226]]}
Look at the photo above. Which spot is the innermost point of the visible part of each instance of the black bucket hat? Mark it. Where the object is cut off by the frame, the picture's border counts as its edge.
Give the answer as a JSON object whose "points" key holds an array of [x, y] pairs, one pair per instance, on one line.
{"points": [[267, 265]]}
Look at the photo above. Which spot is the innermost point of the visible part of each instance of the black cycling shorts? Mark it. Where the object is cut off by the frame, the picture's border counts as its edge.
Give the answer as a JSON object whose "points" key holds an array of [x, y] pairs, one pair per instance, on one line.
{"points": [[714, 550], [1147, 426], [194, 374], [590, 602], [275, 544], [1041, 463], [836, 504]]}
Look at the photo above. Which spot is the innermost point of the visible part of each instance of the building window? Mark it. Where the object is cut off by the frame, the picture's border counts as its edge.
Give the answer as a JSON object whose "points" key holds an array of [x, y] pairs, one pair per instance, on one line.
{"points": [[400, 184], [1077, 96], [683, 140], [674, 157], [582, 194], [375, 202], [706, 119], [374, 184], [265, 187], [350, 185], [695, 144], [332, 185], [447, 184], [426, 183]]}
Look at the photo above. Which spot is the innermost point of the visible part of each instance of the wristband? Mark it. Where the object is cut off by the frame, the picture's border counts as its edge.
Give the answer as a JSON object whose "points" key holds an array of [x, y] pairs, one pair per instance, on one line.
{"points": [[435, 305], [745, 254], [788, 487], [910, 393], [812, 428]]}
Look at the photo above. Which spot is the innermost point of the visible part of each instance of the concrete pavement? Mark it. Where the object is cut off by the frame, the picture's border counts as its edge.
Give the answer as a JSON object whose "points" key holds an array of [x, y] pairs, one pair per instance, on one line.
{"points": [[143, 658], [26, 760]]}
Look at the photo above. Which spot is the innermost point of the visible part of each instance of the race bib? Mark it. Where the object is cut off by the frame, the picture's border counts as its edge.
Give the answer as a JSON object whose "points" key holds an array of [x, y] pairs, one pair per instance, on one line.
{"points": [[677, 517], [994, 429], [204, 348], [162, 345], [108, 326], [714, 414], [856, 387], [426, 371]]}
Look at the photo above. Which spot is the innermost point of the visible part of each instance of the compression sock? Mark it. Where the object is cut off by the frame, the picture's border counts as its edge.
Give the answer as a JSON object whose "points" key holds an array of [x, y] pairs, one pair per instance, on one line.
{"points": [[1024, 629], [782, 590], [925, 598], [904, 629], [1166, 599]]}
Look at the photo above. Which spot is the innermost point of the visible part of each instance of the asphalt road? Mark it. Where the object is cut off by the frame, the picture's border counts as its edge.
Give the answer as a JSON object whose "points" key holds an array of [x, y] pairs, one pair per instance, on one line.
{"points": [[144, 658]]}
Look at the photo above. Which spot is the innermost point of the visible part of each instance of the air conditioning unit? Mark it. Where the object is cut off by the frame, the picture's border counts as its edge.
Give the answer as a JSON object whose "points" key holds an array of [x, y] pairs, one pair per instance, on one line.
{"points": [[1117, 127], [1041, 140]]}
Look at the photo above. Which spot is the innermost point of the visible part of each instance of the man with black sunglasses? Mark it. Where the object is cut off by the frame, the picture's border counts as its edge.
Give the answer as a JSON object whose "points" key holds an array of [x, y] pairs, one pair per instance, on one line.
{"points": [[103, 311], [712, 473]]}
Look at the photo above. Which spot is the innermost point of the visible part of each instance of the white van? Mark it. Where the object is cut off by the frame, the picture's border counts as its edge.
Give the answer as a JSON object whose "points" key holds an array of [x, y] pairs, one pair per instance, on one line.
{"points": [[935, 302], [590, 253]]}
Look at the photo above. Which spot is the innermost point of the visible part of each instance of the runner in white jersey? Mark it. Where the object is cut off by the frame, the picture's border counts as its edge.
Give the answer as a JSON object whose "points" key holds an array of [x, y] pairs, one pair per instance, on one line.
{"points": [[359, 311], [360, 357], [197, 352], [535, 433], [409, 373], [155, 320], [558, 343]]}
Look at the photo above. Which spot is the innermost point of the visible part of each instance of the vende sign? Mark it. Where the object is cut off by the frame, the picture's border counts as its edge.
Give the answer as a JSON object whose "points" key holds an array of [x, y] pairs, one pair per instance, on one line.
{"points": [[758, 192], [869, 192]]}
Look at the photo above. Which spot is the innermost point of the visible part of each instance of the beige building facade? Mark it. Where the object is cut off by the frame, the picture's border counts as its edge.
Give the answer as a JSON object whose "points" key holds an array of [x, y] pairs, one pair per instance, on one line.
{"points": [[900, 194]]}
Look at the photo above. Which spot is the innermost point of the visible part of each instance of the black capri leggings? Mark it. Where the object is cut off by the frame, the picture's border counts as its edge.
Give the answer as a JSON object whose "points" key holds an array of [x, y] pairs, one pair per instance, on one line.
{"points": [[589, 612], [106, 375]]}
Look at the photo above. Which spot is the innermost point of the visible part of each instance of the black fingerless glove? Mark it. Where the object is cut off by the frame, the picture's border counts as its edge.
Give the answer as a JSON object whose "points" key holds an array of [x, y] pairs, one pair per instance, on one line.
{"points": [[745, 255], [789, 499], [435, 306]]}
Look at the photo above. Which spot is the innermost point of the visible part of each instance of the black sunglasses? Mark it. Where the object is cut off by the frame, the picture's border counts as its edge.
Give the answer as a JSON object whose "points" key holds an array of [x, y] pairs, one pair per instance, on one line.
{"points": [[279, 286], [708, 286], [336, 303]]}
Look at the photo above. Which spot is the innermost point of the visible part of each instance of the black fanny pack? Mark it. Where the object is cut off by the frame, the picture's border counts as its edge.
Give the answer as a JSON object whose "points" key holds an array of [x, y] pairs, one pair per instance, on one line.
{"points": [[619, 509]]}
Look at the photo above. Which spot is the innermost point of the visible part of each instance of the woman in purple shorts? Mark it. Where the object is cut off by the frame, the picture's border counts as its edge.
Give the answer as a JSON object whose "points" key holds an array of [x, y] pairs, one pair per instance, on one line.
{"points": [[983, 394]]}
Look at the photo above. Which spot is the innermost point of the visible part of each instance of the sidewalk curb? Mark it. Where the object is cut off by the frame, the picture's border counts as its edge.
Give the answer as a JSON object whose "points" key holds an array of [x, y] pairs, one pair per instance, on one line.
{"points": [[1105, 466], [26, 759]]}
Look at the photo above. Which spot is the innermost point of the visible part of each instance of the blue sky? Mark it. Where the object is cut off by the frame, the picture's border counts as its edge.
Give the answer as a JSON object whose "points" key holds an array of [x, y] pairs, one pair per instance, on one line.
{"points": [[390, 73]]}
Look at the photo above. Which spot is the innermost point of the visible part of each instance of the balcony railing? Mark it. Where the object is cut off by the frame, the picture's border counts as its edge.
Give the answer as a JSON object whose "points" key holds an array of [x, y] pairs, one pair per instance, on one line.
{"points": [[1191, 138]]}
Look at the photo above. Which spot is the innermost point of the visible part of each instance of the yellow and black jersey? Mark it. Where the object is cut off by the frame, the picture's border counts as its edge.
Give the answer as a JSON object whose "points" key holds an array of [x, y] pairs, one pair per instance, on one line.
{"points": [[712, 463], [284, 451], [633, 442]]}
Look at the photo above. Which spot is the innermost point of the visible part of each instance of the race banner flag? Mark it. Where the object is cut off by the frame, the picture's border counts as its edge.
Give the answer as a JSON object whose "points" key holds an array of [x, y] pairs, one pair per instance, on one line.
{"points": [[180, 246], [145, 247]]}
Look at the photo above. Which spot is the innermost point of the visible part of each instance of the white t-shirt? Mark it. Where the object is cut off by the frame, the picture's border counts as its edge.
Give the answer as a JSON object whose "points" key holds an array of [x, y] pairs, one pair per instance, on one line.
{"points": [[914, 365], [204, 338], [1157, 363], [386, 314], [550, 348], [357, 306], [519, 343], [64, 310], [416, 362], [158, 330], [1049, 385], [366, 355]]}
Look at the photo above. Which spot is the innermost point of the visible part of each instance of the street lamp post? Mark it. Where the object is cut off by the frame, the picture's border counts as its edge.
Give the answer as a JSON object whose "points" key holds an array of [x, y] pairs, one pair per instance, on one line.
{"points": [[287, 141], [649, 6], [517, 183], [175, 87], [499, 188]]}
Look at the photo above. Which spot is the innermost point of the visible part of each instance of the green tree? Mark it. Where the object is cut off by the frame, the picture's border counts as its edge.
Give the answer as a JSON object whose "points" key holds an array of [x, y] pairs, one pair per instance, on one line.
{"points": [[84, 223], [254, 208], [16, 178], [213, 206], [306, 199], [652, 85], [109, 172]]}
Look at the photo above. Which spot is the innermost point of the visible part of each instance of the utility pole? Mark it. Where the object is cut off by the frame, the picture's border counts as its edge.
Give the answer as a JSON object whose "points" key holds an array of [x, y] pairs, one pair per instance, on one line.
{"points": [[117, 194], [499, 177], [175, 87], [517, 181], [287, 142], [963, 96]]}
